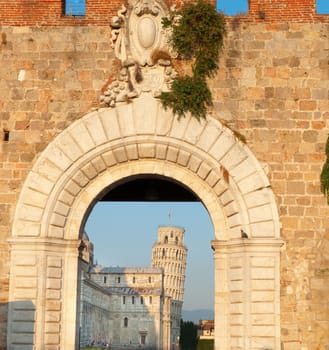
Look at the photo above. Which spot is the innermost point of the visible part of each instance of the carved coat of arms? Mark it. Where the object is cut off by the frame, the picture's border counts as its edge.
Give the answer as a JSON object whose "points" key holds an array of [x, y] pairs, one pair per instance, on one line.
{"points": [[141, 44]]}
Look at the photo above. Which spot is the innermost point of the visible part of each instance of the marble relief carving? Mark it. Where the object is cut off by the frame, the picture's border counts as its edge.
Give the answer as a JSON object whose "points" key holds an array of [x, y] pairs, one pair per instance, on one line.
{"points": [[141, 44]]}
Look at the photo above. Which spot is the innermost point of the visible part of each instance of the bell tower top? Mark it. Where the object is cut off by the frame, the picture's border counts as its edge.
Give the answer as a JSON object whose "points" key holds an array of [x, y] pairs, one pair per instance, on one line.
{"points": [[171, 235], [169, 253]]}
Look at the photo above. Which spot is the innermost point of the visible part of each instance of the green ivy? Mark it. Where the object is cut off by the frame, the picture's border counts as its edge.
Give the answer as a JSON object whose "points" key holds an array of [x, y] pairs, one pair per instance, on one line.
{"points": [[197, 33], [324, 178], [188, 94]]}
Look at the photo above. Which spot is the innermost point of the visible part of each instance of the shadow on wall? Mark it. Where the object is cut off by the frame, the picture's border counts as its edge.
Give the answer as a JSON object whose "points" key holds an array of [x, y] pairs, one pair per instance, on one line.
{"points": [[3, 325], [21, 324]]}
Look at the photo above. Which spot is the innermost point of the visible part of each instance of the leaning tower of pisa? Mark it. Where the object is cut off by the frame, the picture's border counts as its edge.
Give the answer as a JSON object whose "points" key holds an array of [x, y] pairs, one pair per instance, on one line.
{"points": [[169, 253]]}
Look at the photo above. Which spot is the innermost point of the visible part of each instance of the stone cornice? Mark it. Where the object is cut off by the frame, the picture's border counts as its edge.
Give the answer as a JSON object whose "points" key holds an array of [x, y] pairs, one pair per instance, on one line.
{"points": [[43, 244], [251, 244]]}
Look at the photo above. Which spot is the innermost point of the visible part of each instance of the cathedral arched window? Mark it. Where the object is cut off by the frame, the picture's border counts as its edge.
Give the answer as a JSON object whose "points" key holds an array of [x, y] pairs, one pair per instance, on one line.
{"points": [[125, 322], [176, 240], [150, 300], [142, 300], [166, 239], [163, 253], [133, 300]]}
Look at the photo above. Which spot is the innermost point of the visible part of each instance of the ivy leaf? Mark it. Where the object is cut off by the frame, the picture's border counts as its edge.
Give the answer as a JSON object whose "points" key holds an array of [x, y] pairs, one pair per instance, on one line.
{"points": [[197, 32], [188, 94], [324, 178]]}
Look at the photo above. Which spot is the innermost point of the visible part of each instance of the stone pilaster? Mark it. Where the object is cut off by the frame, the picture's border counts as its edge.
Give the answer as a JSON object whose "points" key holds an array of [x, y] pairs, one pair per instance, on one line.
{"points": [[247, 294], [42, 294]]}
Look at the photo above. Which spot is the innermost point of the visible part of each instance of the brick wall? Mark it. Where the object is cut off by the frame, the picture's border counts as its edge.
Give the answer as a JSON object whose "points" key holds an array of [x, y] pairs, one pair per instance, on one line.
{"points": [[50, 12]]}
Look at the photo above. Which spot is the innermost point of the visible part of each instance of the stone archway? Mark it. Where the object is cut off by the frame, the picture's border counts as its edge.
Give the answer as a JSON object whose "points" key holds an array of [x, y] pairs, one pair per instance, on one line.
{"points": [[141, 138]]}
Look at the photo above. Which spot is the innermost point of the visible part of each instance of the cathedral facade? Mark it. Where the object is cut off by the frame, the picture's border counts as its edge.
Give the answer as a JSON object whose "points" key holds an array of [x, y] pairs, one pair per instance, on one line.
{"points": [[135, 306]]}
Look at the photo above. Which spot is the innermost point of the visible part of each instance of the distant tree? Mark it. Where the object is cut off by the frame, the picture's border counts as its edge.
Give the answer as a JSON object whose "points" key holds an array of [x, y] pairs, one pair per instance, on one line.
{"points": [[188, 338]]}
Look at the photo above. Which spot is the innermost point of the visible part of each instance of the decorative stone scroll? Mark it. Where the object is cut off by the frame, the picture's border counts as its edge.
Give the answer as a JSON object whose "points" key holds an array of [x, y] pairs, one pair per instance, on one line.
{"points": [[141, 44]]}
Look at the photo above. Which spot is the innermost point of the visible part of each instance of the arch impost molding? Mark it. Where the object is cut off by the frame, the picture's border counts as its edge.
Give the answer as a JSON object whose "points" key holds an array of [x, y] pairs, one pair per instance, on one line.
{"points": [[250, 244], [44, 244]]}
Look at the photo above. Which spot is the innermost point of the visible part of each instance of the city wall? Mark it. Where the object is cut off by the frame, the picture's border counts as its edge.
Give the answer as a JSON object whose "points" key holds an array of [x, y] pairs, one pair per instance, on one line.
{"points": [[272, 88]]}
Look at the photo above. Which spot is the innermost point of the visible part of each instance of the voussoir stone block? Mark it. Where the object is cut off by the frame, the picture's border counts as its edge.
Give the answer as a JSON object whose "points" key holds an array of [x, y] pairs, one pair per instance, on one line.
{"points": [[50, 170], [57, 157], [261, 213], [40, 183], [99, 164], [212, 178], [179, 126], [82, 137], [194, 163], [161, 151], [210, 133], [204, 170], [89, 170], [263, 229], [70, 147], [132, 152], [183, 157], [194, 130], [126, 120], [80, 178], [172, 154], [24, 228], [146, 150], [145, 112], [120, 154], [222, 145], [67, 196], [110, 123], [109, 158], [234, 157], [95, 128]]}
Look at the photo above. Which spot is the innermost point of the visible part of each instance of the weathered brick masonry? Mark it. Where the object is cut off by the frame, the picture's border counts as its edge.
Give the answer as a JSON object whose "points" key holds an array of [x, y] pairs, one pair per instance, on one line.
{"points": [[272, 87]]}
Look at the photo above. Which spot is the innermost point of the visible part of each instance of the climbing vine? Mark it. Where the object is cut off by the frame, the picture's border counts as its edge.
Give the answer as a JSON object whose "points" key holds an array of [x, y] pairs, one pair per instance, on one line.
{"points": [[197, 33], [324, 178]]}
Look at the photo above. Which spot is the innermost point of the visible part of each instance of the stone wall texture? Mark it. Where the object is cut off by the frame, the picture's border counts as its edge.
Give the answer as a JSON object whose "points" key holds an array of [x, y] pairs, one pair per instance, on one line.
{"points": [[272, 87]]}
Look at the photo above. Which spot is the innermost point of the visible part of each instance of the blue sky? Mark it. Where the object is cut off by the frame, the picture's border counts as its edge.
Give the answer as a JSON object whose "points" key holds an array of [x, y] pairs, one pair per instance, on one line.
{"points": [[232, 7], [123, 234]]}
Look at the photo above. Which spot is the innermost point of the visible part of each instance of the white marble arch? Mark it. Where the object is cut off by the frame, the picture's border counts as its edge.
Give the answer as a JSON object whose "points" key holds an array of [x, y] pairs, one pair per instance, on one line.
{"points": [[136, 138]]}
